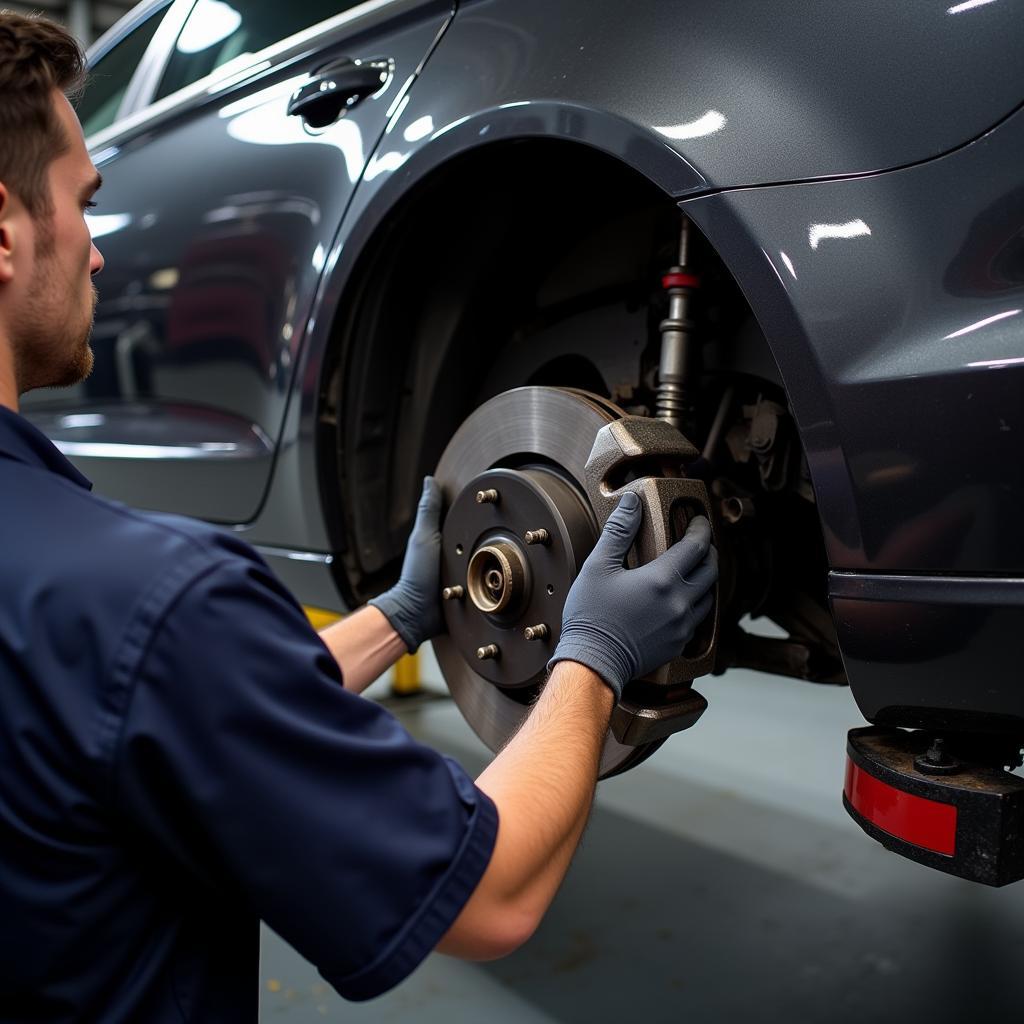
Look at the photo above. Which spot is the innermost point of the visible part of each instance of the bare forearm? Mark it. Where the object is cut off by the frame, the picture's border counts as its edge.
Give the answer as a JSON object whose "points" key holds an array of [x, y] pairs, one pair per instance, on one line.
{"points": [[543, 786], [543, 781], [364, 645]]}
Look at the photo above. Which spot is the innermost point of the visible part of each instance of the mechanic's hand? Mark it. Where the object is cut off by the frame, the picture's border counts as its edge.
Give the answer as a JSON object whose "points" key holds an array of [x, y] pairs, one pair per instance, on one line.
{"points": [[624, 623], [413, 604]]}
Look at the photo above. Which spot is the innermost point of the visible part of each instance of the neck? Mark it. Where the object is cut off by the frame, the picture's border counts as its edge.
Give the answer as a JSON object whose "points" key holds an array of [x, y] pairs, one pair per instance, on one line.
{"points": [[8, 388]]}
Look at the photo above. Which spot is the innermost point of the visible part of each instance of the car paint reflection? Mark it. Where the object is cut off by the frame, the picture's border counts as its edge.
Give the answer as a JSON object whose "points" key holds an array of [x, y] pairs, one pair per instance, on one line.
{"points": [[981, 323], [257, 127], [817, 233], [707, 124]]}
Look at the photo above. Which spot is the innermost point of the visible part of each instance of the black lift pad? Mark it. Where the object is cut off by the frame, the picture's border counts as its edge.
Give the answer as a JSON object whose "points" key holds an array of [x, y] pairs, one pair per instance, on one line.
{"points": [[963, 818]]}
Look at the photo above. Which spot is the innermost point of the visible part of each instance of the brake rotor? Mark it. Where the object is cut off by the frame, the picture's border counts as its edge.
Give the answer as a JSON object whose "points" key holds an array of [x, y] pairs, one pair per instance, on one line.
{"points": [[518, 527]]}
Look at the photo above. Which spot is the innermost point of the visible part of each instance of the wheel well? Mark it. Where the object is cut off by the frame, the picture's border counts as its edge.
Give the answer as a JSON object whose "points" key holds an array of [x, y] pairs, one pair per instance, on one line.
{"points": [[527, 262], [492, 245]]}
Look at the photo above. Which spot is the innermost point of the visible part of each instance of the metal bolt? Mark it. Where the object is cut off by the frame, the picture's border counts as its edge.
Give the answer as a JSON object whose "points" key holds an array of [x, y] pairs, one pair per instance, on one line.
{"points": [[490, 651], [488, 497], [537, 537], [936, 761], [538, 632], [453, 593]]}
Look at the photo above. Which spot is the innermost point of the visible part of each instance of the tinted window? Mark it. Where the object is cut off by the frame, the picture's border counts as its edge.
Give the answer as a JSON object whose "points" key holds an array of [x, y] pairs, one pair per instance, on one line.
{"points": [[110, 75], [220, 30]]}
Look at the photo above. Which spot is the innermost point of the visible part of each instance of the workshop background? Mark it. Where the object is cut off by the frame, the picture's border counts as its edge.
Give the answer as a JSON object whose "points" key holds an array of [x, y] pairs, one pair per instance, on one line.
{"points": [[721, 880]]}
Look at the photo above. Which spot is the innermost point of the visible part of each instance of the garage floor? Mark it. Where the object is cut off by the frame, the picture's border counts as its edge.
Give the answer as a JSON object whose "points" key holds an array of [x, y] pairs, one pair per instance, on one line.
{"points": [[720, 881]]}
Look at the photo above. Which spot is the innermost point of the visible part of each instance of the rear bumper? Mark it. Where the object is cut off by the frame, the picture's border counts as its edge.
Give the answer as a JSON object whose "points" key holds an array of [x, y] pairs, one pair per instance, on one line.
{"points": [[933, 652]]}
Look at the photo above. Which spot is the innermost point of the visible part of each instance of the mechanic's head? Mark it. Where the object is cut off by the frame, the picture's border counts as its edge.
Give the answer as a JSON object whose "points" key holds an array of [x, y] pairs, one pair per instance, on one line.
{"points": [[47, 259]]}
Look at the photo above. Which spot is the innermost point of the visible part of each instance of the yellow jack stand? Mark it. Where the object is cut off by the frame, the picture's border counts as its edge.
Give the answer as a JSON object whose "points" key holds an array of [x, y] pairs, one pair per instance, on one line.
{"points": [[406, 678]]}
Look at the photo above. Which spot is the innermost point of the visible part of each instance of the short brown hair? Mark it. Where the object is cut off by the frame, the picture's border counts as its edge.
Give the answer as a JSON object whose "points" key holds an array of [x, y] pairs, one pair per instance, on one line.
{"points": [[36, 57]]}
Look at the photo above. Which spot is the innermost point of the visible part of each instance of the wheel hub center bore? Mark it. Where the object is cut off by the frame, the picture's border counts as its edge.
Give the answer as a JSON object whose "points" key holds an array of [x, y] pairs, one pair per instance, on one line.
{"points": [[496, 577], [513, 542]]}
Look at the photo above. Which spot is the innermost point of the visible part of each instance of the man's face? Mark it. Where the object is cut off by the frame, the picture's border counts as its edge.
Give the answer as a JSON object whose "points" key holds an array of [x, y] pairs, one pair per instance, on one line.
{"points": [[52, 314]]}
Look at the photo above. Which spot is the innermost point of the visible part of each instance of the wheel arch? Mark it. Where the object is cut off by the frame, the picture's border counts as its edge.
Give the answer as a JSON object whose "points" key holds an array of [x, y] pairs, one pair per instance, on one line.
{"points": [[363, 278]]}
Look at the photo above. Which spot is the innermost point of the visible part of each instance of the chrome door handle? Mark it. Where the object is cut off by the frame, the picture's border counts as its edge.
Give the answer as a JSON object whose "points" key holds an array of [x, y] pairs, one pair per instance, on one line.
{"points": [[335, 88]]}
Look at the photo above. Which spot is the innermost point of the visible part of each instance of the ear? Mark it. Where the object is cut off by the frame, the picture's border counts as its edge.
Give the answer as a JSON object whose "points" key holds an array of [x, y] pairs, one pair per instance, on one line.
{"points": [[6, 235]]}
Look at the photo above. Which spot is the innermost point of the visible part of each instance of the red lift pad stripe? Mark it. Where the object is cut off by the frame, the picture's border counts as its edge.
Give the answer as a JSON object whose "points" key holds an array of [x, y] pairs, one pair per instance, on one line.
{"points": [[914, 819]]}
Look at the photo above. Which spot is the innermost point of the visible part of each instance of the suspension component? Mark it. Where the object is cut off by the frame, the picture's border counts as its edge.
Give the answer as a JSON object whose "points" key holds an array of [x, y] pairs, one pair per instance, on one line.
{"points": [[679, 366]]}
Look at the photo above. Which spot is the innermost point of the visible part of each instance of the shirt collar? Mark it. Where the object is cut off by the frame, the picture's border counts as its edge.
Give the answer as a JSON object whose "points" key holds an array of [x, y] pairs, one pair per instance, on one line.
{"points": [[21, 441]]}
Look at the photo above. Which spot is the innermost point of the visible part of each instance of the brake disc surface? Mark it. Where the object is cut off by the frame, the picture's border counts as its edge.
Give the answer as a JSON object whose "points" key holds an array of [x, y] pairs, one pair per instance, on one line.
{"points": [[516, 466]]}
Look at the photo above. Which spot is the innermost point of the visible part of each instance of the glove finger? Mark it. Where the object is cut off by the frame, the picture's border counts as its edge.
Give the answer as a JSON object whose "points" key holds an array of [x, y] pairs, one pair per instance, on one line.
{"points": [[703, 578], [686, 554], [428, 512], [702, 608], [619, 532]]}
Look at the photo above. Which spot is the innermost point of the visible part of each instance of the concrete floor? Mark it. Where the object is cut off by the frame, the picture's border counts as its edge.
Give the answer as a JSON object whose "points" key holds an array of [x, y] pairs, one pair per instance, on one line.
{"points": [[719, 881]]}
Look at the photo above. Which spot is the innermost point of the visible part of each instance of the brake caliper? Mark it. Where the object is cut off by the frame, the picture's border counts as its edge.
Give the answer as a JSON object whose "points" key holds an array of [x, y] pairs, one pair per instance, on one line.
{"points": [[648, 457]]}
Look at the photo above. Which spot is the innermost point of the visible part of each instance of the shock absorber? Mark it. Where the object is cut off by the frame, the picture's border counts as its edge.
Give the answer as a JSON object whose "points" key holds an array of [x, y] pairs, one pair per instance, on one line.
{"points": [[679, 366]]}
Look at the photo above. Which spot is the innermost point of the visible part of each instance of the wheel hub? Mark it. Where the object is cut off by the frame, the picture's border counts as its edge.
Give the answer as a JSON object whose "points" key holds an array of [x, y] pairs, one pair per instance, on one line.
{"points": [[513, 542]]}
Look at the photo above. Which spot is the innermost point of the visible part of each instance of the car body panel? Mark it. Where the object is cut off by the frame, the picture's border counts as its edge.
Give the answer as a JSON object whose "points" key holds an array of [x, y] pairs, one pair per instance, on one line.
{"points": [[933, 652], [745, 93], [894, 306]]}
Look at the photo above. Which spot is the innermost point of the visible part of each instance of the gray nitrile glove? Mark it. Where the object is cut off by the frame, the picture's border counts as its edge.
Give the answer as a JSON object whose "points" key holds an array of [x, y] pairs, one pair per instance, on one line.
{"points": [[413, 604], [624, 623]]}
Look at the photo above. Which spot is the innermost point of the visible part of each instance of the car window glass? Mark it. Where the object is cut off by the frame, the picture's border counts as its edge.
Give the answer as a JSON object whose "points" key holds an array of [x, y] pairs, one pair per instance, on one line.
{"points": [[220, 30], [110, 75]]}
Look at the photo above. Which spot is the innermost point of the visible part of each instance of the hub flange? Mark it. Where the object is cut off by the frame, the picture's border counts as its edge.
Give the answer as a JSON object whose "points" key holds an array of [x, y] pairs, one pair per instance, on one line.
{"points": [[510, 584]]}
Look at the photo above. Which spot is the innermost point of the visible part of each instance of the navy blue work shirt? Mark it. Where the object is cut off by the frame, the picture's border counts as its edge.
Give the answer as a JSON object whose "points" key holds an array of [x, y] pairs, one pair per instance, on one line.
{"points": [[178, 759]]}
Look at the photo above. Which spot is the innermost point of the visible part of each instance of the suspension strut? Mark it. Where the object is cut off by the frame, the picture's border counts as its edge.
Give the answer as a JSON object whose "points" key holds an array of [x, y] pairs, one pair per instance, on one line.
{"points": [[679, 367]]}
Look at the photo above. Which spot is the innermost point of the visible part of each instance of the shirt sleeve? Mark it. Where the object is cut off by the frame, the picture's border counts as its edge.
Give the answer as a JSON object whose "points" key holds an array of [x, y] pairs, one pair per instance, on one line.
{"points": [[245, 760]]}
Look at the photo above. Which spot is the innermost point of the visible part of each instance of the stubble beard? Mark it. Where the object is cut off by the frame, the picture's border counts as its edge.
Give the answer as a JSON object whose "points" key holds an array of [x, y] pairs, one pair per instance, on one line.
{"points": [[51, 349]]}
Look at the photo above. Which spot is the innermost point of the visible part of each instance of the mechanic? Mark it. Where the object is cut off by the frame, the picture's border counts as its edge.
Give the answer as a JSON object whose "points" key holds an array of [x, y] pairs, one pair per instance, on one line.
{"points": [[180, 755]]}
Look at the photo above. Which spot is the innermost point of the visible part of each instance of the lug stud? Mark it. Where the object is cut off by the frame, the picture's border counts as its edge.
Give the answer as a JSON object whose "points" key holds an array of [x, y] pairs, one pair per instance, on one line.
{"points": [[488, 652], [488, 497], [537, 537], [538, 632], [453, 593]]}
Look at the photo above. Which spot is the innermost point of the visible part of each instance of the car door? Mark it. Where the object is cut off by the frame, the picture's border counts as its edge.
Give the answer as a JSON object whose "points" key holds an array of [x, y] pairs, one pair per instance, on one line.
{"points": [[216, 214]]}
